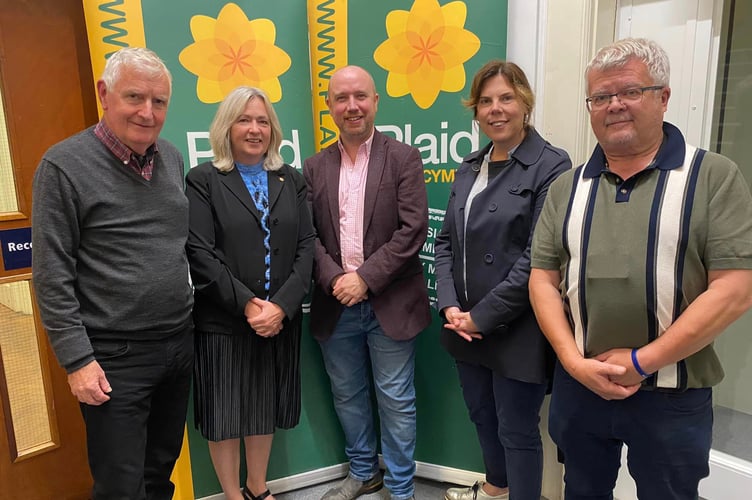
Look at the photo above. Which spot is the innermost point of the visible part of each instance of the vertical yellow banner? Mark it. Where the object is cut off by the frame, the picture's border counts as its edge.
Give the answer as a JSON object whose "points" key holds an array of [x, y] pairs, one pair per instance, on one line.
{"points": [[110, 26], [182, 475], [327, 38]]}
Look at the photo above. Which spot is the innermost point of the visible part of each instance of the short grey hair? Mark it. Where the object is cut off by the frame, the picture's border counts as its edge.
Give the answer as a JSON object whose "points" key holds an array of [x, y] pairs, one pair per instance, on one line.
{"points": [[621, 52], [227, 114], [138, 58]]}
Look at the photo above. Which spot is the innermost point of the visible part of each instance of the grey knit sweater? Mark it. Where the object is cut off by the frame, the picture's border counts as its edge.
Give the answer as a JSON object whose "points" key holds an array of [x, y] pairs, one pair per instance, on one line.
{"points": [[108, 254]]}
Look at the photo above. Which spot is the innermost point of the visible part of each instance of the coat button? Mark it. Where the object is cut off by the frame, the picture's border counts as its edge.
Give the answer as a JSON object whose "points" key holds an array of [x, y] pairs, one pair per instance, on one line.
{"points": [[488, 258], [276, 251], [275, 221], [492, 207]]}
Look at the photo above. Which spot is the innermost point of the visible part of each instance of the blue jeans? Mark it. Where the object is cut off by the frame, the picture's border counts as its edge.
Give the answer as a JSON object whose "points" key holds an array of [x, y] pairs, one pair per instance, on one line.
{"points": [[668, 435], [356, 339], [506, 416]]}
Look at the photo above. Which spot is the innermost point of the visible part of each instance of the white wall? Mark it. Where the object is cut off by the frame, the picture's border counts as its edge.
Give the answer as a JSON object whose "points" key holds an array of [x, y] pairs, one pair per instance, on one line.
{"points": [[526, 34], [570, 32], [689, 30]]}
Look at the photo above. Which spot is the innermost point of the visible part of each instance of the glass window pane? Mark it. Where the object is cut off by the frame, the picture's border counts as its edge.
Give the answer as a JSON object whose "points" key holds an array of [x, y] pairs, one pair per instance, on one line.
{"points": [[24, 392], [732, 429], [8, 200]]}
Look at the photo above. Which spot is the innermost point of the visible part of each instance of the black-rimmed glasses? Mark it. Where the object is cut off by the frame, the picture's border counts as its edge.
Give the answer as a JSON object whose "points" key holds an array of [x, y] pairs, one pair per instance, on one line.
{"points": [[600, 101]]}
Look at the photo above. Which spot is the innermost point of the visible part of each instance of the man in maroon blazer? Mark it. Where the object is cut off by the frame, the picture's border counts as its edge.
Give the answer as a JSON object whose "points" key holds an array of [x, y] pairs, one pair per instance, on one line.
{"points": [[370, 209]]}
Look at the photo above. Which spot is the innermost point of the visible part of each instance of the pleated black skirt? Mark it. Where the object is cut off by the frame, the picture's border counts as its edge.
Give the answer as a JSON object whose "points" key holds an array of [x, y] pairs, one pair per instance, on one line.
{"points": [[246, 385]]}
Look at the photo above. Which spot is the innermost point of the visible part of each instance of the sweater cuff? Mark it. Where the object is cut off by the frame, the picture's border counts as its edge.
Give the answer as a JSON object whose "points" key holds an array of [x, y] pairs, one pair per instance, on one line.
{"points": [[77, 365]]}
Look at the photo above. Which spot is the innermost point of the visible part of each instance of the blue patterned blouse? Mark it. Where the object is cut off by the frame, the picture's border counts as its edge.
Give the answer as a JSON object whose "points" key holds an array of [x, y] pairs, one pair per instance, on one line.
{"points": [[257, 182]]}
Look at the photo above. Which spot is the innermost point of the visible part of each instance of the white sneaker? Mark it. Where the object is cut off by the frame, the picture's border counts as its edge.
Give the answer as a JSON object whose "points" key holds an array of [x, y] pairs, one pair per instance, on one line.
{"points": [[474, 492]]}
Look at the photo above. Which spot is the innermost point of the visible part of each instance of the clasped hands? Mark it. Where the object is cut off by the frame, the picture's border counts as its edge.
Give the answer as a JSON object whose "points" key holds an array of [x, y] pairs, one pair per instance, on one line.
{"points": [[461, 323], [611, 374], [265, 317], [349, 289]]}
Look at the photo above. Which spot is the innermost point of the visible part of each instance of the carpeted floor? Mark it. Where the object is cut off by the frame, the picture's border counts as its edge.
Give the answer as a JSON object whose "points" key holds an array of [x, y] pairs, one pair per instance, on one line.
{"points": [[424, 490]]}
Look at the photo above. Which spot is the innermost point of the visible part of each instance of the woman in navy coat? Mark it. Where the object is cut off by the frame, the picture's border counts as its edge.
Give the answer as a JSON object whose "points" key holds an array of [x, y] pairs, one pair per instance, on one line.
{"points": [[250, 250], [482, 270]]}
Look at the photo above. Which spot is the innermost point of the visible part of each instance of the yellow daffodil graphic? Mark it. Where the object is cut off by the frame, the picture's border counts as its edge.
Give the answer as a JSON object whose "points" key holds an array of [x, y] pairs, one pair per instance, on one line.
{"points": [[425, 50], [230, 51]]}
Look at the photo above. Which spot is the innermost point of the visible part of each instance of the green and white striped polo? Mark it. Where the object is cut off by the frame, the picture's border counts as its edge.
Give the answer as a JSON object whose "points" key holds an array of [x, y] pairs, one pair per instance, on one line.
{"points": [[634, 254]]}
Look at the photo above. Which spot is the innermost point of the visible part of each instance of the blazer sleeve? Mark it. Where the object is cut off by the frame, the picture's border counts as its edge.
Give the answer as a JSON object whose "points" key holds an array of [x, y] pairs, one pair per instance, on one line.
{"points": [[446, 292], [386, 263], [209, 274], [294, 290], [326, 268], [510, 298]]}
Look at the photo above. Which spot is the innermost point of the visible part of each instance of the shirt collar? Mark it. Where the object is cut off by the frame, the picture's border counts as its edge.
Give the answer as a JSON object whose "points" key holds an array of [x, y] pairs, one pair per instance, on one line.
{"points": [[487, 157], [528, 152], [670, 154], [365, 147], [117, 147]]}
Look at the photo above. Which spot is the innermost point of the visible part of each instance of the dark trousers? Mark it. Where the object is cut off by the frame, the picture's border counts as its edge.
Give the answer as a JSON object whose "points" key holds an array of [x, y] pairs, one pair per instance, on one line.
{"points": [[668, 436], [134, 438], [506, 415]]}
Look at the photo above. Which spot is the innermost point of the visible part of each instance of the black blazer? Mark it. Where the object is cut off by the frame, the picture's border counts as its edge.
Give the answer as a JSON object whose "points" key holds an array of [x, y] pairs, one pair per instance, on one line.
{"points": [[226, 248], [496, 247]]}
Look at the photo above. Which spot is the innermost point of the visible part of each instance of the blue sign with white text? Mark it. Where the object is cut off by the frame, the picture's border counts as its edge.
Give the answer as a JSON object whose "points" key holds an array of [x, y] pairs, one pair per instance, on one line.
{"points": [[16, 248]]}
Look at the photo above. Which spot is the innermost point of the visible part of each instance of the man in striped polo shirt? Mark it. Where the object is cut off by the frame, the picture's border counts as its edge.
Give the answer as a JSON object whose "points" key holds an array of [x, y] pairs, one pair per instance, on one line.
{"points": [[641, 257]]}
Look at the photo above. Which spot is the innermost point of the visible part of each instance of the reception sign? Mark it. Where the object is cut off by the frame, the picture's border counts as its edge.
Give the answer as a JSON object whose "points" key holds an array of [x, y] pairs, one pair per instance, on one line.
{"points": [[16, 248]]}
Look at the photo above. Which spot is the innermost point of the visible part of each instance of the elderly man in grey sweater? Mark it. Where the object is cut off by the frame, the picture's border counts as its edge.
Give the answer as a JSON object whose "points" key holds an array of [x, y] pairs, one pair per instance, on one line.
{"points": [[109, 225]]}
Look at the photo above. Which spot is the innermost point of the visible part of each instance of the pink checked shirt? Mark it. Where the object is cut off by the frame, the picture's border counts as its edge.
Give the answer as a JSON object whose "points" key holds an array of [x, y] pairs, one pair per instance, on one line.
{"points": [[352, 193], [142, 165]]}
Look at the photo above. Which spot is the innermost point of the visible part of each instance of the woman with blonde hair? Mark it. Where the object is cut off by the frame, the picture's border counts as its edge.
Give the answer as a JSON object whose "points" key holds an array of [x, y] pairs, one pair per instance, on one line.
{"points": [[250, 249]]}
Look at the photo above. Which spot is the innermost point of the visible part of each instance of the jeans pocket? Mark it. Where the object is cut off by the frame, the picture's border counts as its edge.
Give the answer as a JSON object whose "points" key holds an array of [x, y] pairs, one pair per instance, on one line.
{"points": [[689, 402], [105, 349]]}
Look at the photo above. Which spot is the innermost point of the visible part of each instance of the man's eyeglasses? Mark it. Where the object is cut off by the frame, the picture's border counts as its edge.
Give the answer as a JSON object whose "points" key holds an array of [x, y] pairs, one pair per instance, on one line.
{"points": [[600, 101]]}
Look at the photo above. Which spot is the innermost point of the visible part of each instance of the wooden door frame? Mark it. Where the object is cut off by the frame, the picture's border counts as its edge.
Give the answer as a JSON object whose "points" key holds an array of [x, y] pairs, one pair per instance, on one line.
{"points": [[48, 95]]}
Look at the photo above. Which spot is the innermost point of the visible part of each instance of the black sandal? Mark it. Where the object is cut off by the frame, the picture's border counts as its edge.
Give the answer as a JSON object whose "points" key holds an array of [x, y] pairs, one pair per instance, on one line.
{"points": [[249, 496]]}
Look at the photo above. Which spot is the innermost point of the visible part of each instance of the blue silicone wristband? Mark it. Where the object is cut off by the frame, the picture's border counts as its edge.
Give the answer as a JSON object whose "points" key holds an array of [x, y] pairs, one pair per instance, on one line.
{"points": [[636, 365]]}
